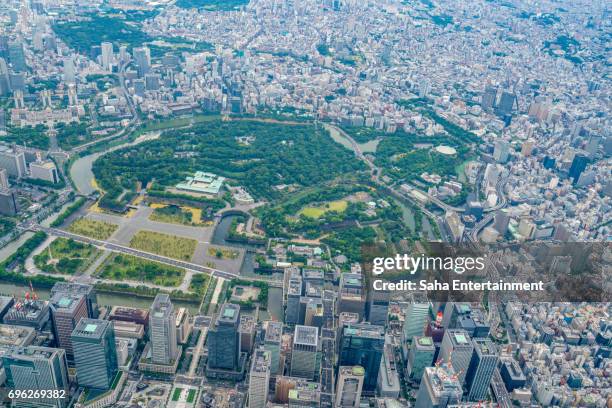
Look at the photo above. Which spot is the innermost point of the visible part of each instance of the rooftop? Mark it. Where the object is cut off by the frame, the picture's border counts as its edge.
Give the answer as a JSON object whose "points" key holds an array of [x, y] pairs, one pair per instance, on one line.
{"points": [[11, 335], [274, 332], [365, 331], [202, 182], [307, 335], [91, 328], [65, 300]]}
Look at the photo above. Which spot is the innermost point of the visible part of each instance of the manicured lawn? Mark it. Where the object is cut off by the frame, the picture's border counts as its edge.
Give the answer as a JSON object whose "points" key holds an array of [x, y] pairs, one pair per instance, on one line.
{"points": [[92, 228], [318, 211], [176, 394], [165, 245], [66, 256], [191, 396], [127, 267]]}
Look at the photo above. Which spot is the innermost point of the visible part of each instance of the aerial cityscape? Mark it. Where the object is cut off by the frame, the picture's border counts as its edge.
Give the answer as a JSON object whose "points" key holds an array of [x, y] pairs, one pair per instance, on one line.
{"points": [[206, 203]]}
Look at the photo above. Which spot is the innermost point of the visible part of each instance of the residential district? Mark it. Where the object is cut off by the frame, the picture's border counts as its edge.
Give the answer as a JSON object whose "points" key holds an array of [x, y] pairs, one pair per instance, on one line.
{"points": [[189, 190]]}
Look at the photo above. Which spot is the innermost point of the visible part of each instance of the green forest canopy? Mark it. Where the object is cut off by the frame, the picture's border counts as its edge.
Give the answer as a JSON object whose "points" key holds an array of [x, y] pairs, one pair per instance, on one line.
{"points": [[281, 154]]}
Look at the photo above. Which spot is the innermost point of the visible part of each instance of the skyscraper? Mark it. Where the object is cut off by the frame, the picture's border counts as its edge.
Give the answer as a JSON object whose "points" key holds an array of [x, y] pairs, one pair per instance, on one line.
{"points": [[378, 307], [352, 294], [13, 161], [481, 369], [415, 320], [456, 350], [95, 355], [350, 385], [5, 79], [578, 165], [17, 56], [162, 330], [107, 55], [506, 103], [421, 355], [293, 294], [69, 70], [259, 379], [82, 288], [363, 345], [142, 58], [304, 352], [37, 368], [439, 388], [501, 151], [224, 339], [272, 344], [489, 98], [4, 181], [66, 310]]}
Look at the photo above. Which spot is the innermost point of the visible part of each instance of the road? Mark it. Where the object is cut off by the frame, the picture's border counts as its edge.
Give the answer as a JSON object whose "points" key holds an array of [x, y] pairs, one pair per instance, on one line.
{"points": [[499, 390], [105, 245]]}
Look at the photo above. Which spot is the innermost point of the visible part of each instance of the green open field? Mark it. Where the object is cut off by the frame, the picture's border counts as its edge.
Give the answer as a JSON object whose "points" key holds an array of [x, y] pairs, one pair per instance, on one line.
{"points": [[223, 253], [93, 229], [165, 245], [319, 210], [176, 394], [127, 267], [191, 396], [66, 256]]}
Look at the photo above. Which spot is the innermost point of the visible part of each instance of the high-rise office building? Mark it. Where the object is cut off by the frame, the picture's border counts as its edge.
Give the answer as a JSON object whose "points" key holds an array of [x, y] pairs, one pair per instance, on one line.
{"points": [[224, 339], [8, 202], [512, 375], [13, 161], [69, 70], [439, 388], [421, 355], [501, 221], [272, 344], [501, 151], [87, 290], [95, 355], [352, 296], [416, 316], [5, 79], [506, 104], [67, 310], [259, 379], [578, 165], [107, 55], [44, 170], [480, 370], [489, 98], [378, 307], [350, 385], [37, 368], [4, 180], [293, 293], [17, 56], [162, 330], [304, 352], [142, 58], [363, 345], [456, 350]]}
